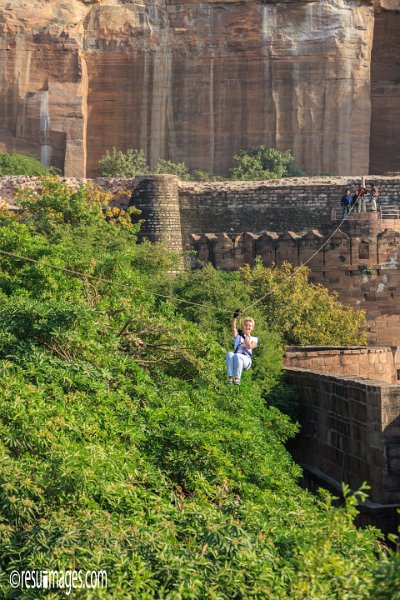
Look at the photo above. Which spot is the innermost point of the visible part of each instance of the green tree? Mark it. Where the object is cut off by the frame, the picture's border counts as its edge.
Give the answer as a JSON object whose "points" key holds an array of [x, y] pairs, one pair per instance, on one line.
{"points": [[304, 313], [124, 164], [179, 169], [12, 163], [301, 313], [261, 162]]}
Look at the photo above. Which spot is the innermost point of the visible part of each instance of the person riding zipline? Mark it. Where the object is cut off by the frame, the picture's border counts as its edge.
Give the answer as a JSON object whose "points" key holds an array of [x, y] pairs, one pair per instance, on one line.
{"points": [[243, 344]]}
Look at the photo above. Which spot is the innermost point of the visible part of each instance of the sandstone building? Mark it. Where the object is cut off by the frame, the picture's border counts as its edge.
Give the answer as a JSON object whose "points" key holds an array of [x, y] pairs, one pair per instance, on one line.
{"points": [[230, 223]]}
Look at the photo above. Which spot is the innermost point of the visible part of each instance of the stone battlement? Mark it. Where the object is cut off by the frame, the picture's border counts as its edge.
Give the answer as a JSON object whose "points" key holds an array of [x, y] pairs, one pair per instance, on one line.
{"points": [[361, 262], [364, 239]]}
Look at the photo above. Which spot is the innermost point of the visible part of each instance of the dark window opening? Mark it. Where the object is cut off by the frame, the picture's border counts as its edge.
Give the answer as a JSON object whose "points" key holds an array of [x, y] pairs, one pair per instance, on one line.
{"points": [[363, 251]]}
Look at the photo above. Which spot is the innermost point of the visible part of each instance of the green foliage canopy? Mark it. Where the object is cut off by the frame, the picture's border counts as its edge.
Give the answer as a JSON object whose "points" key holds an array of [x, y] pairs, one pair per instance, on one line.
{"points": [[133, 163], [123, 164], [121, 448], [257, 163], [299, 312]]}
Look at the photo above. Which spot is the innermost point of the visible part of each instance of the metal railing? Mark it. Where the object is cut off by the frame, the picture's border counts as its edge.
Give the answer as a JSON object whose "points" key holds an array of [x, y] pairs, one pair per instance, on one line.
{"points": [[388, 211]]}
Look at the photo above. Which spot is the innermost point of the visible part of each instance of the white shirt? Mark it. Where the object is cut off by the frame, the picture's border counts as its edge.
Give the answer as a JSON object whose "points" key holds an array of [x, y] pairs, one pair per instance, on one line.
{"points": [[239, 342]]}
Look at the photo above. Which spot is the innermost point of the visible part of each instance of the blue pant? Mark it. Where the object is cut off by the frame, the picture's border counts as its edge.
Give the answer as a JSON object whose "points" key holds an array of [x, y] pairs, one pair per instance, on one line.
{"points": [[235, 363], [345, 211]]}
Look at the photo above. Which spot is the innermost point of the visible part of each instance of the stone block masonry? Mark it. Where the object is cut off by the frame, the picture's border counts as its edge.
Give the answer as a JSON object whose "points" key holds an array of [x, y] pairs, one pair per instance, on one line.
{"points": [[371, 362], [361, 262], [156, 198], [232, 207], [350, 430], [294, 204]]}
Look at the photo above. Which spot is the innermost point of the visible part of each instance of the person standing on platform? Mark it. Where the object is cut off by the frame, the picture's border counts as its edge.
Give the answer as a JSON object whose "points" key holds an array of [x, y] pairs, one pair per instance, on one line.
{"points": [[359, 199], [346, 204]]}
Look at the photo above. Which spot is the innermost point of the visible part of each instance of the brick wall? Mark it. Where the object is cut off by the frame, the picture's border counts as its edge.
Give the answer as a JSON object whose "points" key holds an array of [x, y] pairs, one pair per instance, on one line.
{"points": [[350, 430], [371, 362]]}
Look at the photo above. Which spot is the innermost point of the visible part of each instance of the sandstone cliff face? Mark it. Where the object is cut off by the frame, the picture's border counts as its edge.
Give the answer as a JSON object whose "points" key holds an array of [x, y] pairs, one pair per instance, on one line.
{"points": [[385, 88], [189, 81]]}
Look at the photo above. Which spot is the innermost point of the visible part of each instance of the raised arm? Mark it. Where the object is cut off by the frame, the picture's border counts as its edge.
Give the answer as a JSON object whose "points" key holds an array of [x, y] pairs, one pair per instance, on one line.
{"points": [[236, 314], [234, 328]]}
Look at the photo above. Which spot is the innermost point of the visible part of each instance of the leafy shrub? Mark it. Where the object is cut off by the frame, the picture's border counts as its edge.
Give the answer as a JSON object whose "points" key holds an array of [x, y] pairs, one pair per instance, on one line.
{"points": [[12, 163], [123, 164], [299, 312], [261, 162], [179, 169], [304, 314], [133, 163]]}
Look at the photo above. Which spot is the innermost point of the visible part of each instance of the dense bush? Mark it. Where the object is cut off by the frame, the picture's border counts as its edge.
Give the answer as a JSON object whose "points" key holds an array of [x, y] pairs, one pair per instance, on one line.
{"points": [[261, 162], [12, 163], [123, 164], [121, 447], [300, 312]]}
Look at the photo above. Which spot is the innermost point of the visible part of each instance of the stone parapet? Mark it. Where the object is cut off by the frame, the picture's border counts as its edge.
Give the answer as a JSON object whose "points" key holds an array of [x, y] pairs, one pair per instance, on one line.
{"points": [[370, 362], [277, 205]]}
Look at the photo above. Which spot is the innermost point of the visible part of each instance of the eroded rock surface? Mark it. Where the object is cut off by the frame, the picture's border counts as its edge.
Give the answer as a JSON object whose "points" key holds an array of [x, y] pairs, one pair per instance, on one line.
{"points": [[189, 81]]}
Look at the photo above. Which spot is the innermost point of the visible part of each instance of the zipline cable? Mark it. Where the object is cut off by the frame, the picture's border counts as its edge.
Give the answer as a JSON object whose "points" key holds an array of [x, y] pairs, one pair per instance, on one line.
{"points": [[101, 279], [309, 259]]}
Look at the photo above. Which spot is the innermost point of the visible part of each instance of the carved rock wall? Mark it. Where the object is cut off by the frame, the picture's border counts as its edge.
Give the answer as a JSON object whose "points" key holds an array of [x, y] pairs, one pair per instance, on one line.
{"points": [[188, 81], [43, 83]]}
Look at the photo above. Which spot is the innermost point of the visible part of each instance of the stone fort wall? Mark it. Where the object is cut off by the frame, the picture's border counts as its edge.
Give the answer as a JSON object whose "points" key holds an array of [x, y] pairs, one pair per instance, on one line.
{"points": [[232, 207], [350, 432], [361, 262], [294, 204]]}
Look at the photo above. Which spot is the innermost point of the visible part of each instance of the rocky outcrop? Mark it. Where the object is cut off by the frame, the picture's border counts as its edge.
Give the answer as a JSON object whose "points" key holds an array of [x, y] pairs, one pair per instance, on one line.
{"points": [[189, 81]]}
